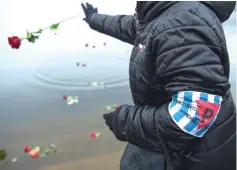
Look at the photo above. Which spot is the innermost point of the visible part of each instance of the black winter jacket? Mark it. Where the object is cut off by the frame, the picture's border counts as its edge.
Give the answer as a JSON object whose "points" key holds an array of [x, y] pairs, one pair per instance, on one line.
{"points": [[178, 47]]}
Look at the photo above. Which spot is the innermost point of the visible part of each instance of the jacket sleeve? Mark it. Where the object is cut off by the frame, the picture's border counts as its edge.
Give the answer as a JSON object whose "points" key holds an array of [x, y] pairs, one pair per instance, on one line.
{"points": [[122, 27], [184, 62], [140, 126]]}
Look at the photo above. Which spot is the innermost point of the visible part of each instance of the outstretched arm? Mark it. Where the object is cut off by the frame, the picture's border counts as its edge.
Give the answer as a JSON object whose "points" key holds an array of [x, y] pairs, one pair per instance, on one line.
{"points": [[121, 27]]}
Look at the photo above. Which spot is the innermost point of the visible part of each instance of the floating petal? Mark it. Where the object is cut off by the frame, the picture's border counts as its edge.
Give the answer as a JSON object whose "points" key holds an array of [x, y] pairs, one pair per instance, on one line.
{"points": [[14, 159]]}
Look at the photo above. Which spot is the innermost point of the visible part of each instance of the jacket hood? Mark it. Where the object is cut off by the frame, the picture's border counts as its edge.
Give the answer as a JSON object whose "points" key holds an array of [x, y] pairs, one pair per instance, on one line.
{"points": [[149, 10], [223, 9]]}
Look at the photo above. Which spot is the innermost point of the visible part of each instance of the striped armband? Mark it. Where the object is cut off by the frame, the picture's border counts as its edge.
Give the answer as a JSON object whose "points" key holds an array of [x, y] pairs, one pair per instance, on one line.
{"points": [[194, 112]]}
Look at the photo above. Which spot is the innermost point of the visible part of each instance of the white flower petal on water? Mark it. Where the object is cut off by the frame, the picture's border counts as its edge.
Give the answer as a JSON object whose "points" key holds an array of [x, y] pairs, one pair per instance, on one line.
{"points": [[69, 98], [72, 100], [108, 107], [69, 103], [37, 148], [14, 160], [75, 98], [94, 84]]}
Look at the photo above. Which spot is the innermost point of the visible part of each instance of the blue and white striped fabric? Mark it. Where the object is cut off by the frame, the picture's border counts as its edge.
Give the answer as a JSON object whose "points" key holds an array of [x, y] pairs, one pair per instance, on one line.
{"points": [[186, 109]]}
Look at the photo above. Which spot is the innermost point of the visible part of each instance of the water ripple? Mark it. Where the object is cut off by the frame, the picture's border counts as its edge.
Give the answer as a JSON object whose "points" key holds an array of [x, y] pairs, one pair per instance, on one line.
{"points": [[65, 74]]}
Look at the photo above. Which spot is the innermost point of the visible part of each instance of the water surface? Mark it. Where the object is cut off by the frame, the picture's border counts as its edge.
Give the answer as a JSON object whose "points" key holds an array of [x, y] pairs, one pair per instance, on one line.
{"points": [[34, 113]]}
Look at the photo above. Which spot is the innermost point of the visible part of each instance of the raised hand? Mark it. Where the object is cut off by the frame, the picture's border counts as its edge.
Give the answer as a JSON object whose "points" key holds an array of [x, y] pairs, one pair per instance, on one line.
{"points": [[89, 10]]}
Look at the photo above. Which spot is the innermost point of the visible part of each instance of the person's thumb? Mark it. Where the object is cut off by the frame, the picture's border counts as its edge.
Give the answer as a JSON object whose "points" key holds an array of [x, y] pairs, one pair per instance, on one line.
{"points": [[108, 115], [105, 116], [85, 19]]}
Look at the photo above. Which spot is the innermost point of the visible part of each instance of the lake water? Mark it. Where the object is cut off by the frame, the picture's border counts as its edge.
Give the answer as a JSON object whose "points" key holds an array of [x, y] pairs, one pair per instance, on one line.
{"points": [[34, 113]]}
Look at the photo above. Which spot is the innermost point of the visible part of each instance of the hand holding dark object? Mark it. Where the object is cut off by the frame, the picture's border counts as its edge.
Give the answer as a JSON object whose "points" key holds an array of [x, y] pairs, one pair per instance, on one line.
{"points": [[109, 119], [111, 122], [89, 10]]}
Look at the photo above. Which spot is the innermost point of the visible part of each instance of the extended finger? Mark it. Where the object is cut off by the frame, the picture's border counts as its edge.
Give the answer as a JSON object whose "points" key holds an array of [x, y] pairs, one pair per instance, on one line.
{"points": [[83, 7], [88, 5], [91, 7]]}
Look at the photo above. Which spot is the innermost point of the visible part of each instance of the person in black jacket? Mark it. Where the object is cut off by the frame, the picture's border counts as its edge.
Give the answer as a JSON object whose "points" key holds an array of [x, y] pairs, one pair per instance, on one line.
{"points": [[183, 115]]}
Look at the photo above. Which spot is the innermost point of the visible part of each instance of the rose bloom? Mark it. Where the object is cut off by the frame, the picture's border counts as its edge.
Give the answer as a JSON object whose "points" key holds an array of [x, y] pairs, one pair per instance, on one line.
{"points": [[15, 42]]}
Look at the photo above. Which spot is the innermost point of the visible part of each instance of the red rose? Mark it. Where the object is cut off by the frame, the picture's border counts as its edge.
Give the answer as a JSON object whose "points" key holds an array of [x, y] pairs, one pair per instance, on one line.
{"points": [[65, 97], [27, 149], [93, 135], [14, 42]]}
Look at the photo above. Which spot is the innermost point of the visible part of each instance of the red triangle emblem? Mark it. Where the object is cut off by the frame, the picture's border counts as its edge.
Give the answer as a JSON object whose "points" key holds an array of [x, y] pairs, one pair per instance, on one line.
{"points": [[206, 112]]}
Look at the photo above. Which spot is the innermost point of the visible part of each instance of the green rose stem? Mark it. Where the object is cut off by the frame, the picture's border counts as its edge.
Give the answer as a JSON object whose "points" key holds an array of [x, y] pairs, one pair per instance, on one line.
{"points": [[32, 36]]}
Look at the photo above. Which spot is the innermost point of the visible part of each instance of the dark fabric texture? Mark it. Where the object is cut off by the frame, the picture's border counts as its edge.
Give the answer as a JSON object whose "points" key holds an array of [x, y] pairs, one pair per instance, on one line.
{"points": [[136, 161], [185, 49]]}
